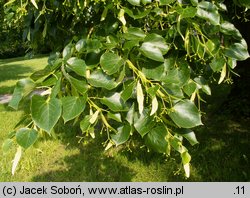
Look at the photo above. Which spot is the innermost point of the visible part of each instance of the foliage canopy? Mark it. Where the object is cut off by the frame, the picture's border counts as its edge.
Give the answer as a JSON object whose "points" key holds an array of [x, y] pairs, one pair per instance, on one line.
{"points": [[129, 68]]}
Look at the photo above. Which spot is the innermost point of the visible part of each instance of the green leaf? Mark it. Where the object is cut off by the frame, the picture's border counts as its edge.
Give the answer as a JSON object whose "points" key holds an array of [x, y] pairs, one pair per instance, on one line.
{"points": [[229, 29], [188, 12], [72, 107], [188, 134], [115, 116], [77, 65], [156, 139], [56, 88], [67, 52], [144, 124], [158, 41], [154, 47], [128, 90], [155, 70], [185, 114], [138, 14], [41, 74], [208, 11], [174, 90], [16, 159], [237, 51], [134, 2], [114, 102], [134, 34], [45, 113], [153, 90], [7, 144], [80, 85], [152, 52], [166, 2], [190, 88], [130, 115], [85, 123], [100, 79], [111, 62], [81, 45], [93, 45], [26, 137], [201, 81], [217, 63], [122, 136], [146, 1], [176, 144], [178, 76], [194, 2], [22, 89]]}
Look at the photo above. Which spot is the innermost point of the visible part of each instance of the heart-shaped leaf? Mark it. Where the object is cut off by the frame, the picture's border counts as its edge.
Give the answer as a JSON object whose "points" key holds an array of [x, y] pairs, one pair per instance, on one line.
{"points": [[122, 136], [80, 85], [100, 79], [208, 11], [114, 102], [77, 65], [156, 139], [152, 52], [45, 113], [144, 124], [72, 107], [23, 88], [185, 114], [238, 51], [26, 137], [111, 62]]}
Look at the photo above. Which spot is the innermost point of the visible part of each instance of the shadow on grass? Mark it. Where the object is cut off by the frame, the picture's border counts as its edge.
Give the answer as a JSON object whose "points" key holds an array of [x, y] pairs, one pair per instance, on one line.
{"points": [[222, 155], [223, 152], [118, 164], [90, 165], [14, 72]]}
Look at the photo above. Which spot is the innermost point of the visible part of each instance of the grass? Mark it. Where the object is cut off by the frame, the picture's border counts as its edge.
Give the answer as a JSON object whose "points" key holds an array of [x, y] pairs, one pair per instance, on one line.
{"points": [[16, 68], [222, 155]]}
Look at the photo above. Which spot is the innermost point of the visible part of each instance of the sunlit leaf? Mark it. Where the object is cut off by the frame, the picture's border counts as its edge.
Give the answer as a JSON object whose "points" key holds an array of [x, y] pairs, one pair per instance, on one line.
{"points": [[77, 65], [111, 62], [100, 79], [114, 102], [7, 144], [72, 107], [45, 113], [26, 137], [23, 88], [185, 114]]}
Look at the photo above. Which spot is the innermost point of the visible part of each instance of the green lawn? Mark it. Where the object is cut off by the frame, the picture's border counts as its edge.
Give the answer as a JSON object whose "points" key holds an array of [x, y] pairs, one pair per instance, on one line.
{"points": [[222, 155]]}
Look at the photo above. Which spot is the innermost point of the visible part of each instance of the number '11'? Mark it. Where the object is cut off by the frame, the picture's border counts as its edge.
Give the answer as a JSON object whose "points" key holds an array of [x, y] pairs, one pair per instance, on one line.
{"points": [[240, 190]]}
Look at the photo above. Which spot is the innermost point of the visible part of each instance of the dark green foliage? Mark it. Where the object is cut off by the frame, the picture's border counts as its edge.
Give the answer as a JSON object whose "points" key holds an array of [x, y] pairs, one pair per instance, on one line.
{"points": [[133, 68]]}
